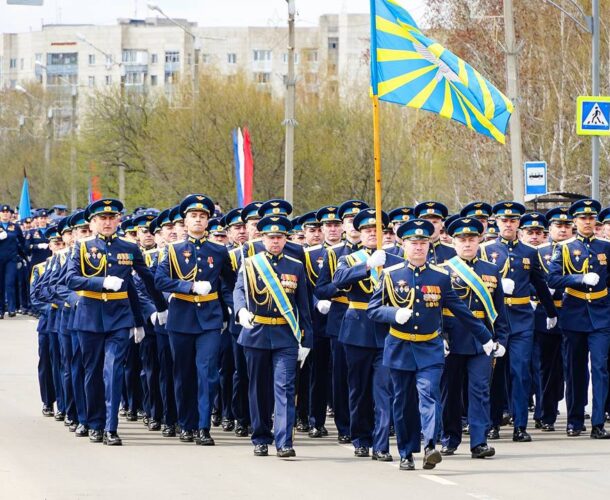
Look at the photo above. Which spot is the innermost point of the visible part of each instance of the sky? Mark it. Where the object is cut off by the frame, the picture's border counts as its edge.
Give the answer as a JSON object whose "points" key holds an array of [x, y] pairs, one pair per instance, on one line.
{"points": [[16, 19]]}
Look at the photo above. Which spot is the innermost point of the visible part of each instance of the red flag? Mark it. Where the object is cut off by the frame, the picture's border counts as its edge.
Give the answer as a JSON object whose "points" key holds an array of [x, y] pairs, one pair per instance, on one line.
{"points": [[248, 168]]}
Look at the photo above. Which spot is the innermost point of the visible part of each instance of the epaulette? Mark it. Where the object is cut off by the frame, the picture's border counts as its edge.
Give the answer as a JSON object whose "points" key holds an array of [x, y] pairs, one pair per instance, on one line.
{"points": [[528, 245], [569, 240], [292, 259], [311, 249], [151, 251], [338, 245], [544, 245], [434, 267], [603, 239], [400, 265]]}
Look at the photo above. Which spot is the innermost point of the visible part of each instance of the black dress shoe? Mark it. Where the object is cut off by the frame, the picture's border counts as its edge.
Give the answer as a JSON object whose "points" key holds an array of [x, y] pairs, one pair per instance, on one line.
{"points": [[548, 428], [482, 451], [81, 431], [112, 439], [598, 432], [186, 436], [204, 439], [47, 411], [12, 315], [447, 451], [68, 422], [145, 420], [122, 412], [407, 463], [537, 424], [261, 450], [520, 435], [228, 424], [241, 431], [587, 416], [96, 436], [493, 433], [465, 429], [330, 412], [324, 431], [314, 432], [154, 425], [168, 431], [431, 457], [607, 417], [216, 419], [571, 432], [131, 416], [302, 426], [73, 426], [2, 316], [361, 452], [141, 414], [286, 452], [60, 417], [505, 419], [343, 439], [382, 456]]}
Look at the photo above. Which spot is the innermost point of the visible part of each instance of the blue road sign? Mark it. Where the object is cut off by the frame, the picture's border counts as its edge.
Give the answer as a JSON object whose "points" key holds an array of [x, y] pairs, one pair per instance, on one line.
{"points": [[535, 177], [593, 115]]}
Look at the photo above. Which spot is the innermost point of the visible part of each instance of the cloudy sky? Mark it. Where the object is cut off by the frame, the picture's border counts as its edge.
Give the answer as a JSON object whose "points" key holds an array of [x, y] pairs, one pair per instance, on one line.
{"points": [[205, 12]]}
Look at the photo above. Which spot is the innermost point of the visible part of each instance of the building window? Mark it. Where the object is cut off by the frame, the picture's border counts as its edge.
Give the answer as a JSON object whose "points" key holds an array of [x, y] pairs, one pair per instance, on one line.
{"points": [[109, 60], [262, 55], [13, 63], [171, 77], [153, 80], [312, 56], [108, 79], [62, 79], [132, 78], [91, 59], [21, 63], [154, 58], [91, 81], [61, 58], [285, 58], [333, 43], [172, 57], [134, 56], [232, 58], [262, 77]]}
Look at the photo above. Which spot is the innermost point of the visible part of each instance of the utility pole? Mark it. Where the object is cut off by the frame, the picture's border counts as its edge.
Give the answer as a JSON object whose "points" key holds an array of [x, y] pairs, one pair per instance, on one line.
{"points": [[73, 197], [512, 78], [595, 92], [289, 118], [121, 163]]}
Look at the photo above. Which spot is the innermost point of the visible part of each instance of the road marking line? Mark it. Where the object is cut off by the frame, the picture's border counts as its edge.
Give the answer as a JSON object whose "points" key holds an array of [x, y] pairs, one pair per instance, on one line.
{"points": [[438, 479]]}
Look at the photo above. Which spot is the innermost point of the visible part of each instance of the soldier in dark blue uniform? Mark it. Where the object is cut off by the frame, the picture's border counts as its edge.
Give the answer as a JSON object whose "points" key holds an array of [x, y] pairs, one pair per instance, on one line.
{"points": [[477, 284], [38, 244], [580, 266], [11, 253], [478, 210], [397, 217], [272, 306], [326, 290], [410, 300], [196, 272], [435, 213], [370, 390], [520, 270], [100, 271]]}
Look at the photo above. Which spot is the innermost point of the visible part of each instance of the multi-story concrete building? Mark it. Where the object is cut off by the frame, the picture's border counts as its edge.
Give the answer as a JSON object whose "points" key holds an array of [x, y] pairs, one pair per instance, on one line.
{"points": [[153, 54]]}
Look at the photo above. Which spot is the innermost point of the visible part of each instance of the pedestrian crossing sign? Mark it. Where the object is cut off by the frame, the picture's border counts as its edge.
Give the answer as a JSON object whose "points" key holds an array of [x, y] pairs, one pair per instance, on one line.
{"points": [[593, 115]]}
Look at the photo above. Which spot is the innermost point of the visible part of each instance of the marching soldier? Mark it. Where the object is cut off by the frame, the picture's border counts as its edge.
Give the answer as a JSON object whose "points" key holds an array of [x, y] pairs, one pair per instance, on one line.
{"points": [[11, 250], [435, 213]]}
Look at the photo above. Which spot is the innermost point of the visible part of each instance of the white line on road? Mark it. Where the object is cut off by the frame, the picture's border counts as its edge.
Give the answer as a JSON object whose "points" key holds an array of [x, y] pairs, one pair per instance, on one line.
{"points": [[438, 479]]}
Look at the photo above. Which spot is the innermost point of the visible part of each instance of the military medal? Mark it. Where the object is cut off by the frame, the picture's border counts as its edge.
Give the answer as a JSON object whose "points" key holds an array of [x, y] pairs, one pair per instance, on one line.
{"points": [[494, 257], [187, 255], [211, 261], [402, 286], [577, 255], [320, 262]]}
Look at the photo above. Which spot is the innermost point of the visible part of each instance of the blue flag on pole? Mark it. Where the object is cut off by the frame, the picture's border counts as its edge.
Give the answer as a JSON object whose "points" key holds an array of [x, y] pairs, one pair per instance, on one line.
{"points": [[25, 209]]}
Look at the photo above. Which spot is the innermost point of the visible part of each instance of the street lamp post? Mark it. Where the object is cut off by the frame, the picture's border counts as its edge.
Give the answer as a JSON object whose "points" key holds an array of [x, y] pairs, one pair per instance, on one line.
{"points": [[289, 112]]}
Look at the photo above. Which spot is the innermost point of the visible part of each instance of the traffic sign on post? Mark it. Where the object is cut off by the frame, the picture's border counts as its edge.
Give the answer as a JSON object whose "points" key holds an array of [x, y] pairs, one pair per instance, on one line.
{"points": [[535, 177], [593, 115]]}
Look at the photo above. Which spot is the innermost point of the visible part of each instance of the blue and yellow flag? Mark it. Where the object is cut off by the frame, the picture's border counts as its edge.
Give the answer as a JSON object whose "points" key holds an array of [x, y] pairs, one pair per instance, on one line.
{"points": [[410, 69]]}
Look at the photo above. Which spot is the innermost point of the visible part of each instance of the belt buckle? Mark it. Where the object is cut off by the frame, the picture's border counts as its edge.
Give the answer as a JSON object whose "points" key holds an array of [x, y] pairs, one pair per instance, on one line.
{"points": [[274, 321], [412, 337], [104, 297], [197, 298], [588, 296], [509, 301]]}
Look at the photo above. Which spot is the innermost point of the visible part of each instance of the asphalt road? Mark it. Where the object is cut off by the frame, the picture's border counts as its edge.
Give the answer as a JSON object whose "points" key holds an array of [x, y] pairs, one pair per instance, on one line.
{"points": [[39, 458]]}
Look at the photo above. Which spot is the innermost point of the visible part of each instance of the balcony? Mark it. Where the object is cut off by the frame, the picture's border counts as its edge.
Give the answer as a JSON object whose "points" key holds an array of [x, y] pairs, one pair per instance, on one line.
{"points": [[62, 69]]}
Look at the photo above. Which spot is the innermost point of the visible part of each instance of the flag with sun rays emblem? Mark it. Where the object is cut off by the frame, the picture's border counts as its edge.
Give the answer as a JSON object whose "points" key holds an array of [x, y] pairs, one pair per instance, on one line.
{"points": [[410, 69]]}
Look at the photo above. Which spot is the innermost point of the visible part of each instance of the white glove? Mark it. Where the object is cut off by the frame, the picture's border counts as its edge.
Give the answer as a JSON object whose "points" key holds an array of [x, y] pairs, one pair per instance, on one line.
{"points": [[590, 279], [153, 317], [323, 306], [3, 235], [533, 304], [508, 286], [552, 291], [446, 347], [488, 347], [551, 323], [202, 287], [376, 260], [113, 283], [162, 317], [244, 318], [138, 334], [402, 315], [302, 355], [19, 265], [499, 350], [43, 246]]}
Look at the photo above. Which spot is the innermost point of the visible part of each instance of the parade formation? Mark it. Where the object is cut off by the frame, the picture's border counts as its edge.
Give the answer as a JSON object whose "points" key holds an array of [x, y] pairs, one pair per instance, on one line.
{"points": [[266, 326]]}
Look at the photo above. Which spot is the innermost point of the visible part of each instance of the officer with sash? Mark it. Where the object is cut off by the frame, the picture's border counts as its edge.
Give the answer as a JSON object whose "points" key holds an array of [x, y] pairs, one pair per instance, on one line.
{"points": [[272, 306], [477, 284], [11, 252], [435, 213], [100, 271], [326, 290], [410, 299], [520, 270], [580, 266], [368, 379], [196, 272]]}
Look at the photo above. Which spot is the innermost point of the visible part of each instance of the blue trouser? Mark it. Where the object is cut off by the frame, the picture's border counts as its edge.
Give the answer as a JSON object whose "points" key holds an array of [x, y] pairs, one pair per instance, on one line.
{"points": [[272, 376], [520, 345], [226, 368], [320, 363], [55, 353], [77, 371], [23, 280], [477, 369], [408, 421], [166, 379], [551, 375], [195, 376], [153, 405], [370, 393], [579, 345], [239, 401], [340, 387], [536, 375], [104, 358], [65, 343], [45, 370], [498, 391], [133, 384], [302, 387], [8, 285]]}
